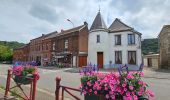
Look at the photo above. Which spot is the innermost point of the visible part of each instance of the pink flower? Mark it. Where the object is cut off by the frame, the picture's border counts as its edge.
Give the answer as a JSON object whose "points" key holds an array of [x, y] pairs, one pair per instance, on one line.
{"points": [[118, 89], [106, 88], [130, 76], [140, 82], [89, 83], [95, 92], [131, 87], [99, 88], [111, 92], [127, 98], [139, 93], [135, 97], [107, 96], [84, 92], [128, 94], [124, 89], [151, 94], [141, 74], [141, 89], [113, 97], [90, 90], [124, 84]]}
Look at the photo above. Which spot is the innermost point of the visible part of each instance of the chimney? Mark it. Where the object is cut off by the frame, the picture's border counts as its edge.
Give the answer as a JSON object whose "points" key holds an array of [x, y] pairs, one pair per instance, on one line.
{"points": [[85, 23], [62, 30]]}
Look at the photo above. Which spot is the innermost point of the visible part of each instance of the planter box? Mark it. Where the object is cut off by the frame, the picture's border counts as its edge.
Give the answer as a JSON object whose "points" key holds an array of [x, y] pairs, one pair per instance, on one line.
{"points": [[23, 79], [94, 97]]}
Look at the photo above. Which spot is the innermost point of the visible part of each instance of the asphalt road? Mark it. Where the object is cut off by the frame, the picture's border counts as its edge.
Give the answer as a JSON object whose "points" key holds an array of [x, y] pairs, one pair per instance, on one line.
{"points": [[161, 86]]}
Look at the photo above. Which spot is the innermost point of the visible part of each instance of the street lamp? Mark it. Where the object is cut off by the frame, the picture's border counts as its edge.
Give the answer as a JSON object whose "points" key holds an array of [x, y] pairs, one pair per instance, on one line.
{"points": [[71, 22]]}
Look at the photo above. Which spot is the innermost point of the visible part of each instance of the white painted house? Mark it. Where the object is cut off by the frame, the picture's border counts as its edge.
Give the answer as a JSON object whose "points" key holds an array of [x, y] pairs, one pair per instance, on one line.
{"points": [[110, 47]]}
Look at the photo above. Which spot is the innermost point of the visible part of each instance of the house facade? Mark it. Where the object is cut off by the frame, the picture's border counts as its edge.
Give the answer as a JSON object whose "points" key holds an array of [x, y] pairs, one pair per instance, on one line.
{"points": [[151, 60], [164, 45], [110, 47], [68, 46], [71, 46], [21, 54]]}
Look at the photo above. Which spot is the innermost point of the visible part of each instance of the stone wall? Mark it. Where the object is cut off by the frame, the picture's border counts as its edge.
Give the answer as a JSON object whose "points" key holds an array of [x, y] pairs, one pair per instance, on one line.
{"points": [[164, 39]]}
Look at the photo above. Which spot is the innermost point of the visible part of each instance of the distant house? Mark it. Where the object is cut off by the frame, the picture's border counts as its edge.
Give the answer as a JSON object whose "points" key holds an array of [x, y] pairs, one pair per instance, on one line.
{"points": [[21, 54], [164, 44], [118, 44], [151, 60]]}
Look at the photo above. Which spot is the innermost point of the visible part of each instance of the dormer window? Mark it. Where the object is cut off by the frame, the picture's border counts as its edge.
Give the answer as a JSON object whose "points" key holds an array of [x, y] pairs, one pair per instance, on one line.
{"points": [[131, 39], [117, 39], [98, 38]]}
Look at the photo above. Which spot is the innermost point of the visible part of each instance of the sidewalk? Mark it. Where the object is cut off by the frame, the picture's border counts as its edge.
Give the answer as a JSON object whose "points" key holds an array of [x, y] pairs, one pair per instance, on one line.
{"points": [[148, 72], [156, 73]]}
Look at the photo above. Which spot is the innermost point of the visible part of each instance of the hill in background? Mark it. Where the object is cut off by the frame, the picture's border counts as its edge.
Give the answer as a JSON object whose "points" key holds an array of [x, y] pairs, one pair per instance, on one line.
{"points": [[150, 46], [12, 44]]}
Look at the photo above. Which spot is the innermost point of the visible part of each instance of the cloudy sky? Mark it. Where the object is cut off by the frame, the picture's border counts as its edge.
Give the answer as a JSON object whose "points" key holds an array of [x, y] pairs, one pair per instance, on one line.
{"points": [[22, 20]]}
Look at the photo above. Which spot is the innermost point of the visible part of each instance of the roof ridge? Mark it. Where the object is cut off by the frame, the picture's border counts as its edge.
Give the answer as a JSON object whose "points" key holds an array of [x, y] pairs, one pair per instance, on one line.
{"points": [[123, 23]]}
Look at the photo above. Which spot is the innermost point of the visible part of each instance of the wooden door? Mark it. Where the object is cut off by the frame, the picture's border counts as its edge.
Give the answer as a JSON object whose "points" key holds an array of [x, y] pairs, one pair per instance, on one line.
{"points": [[149, 62], [82, 61], [100, 59]]}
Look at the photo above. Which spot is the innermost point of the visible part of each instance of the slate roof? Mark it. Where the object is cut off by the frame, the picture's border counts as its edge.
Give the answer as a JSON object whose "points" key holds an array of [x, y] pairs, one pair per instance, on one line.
{"points": [[71, 30], [118, 25], [98, 23], [51, 35]]}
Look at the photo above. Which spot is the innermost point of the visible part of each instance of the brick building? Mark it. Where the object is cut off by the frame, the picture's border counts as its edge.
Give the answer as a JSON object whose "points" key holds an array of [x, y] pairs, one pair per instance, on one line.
{"points": [[68, 46], [21, 54], [71, 46], [40, 49], [164, 44]]}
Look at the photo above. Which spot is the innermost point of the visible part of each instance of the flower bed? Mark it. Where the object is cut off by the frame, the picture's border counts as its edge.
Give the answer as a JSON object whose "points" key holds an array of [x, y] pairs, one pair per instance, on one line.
{"points": [[115, 86], [23, 74]]}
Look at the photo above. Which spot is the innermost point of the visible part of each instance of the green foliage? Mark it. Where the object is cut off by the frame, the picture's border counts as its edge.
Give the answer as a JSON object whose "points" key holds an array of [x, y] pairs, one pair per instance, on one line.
{"points": [[150, 45], [6, 49], [85, 79], [29, 70], [5, 53], [12, 44]]}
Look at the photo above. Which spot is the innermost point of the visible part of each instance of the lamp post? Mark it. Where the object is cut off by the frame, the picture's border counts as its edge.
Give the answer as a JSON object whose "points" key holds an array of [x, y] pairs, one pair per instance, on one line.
{"points": [[71, 22]]}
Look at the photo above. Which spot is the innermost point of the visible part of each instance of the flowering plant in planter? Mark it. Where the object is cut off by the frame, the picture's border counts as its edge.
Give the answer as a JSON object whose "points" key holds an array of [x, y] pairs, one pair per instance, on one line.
{"points": [[24, 73], [115, 86]]}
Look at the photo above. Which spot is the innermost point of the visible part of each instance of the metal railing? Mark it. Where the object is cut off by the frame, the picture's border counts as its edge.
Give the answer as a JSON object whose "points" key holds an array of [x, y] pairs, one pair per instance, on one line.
{"points": [[32, 92], [64, 89]]}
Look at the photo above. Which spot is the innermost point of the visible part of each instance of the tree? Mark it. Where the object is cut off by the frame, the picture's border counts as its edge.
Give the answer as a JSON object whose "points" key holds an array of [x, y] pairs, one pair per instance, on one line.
{"points": [[5, 53]]}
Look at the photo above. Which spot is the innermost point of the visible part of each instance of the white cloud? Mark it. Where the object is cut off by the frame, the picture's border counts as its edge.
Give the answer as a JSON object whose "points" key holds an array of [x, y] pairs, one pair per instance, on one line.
{"points": [[22, 20]]}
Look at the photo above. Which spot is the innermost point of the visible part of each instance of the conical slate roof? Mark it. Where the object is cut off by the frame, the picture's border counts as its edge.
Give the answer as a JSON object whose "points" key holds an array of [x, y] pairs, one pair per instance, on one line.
{"points": [[98, 23], [117, 25]]}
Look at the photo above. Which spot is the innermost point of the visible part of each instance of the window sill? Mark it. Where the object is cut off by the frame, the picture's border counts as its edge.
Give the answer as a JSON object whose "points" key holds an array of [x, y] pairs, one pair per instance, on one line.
{"points": [[117, 44], [131, 44]]}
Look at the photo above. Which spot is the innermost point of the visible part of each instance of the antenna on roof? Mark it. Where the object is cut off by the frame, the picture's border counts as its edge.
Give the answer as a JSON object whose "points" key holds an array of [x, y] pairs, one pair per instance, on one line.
{"points": [[99, 5], [99, 8]]}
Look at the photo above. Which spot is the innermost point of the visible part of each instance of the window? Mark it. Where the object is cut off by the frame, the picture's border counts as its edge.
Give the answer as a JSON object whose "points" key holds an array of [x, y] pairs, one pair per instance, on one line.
{"points": [[98, 38], [66, 44], [131, 39], [117, 39], [131, 57], [46, 46], [118, 57], [53, 45]]}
